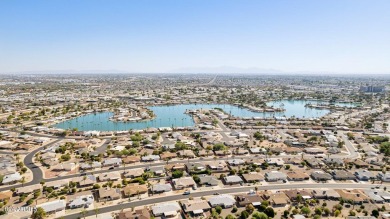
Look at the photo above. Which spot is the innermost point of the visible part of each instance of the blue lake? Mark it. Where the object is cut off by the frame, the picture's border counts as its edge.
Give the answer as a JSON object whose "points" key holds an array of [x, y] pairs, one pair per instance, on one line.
{"points": [[173, 115]]}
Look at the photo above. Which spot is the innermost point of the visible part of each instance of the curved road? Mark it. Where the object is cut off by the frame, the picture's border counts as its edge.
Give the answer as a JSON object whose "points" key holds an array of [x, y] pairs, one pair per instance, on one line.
{"points": [[151, 201], [36, 171]]}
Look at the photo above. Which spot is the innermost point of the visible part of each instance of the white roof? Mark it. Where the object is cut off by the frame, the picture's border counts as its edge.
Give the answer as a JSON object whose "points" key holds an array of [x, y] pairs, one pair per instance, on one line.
{"points": [[12, 177], [53, 206], [165, 208]]}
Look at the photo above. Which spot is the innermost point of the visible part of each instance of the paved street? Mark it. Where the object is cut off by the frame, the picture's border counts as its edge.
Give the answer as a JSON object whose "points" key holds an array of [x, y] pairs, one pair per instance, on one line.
{"points": [[151, 201]]}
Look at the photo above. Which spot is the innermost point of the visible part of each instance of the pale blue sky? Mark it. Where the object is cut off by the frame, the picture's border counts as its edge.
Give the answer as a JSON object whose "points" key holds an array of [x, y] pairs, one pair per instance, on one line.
{"points": [[164, 35]]}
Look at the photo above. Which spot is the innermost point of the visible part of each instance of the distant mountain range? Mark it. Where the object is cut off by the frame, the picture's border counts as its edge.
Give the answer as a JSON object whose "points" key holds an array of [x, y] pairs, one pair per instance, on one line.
{"points": [[225, 69]]}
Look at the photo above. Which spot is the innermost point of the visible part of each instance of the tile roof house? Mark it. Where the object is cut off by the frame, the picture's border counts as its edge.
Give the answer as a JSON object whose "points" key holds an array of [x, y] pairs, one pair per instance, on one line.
{"points": [[160, 188], [297, 176], [108, 194], [321, 176], [244, 200], [28, 189], [279, 199], [131, 159], [133, 173], [274, 176], [134, 189], [195, 167], [183, 182], [294, 193], [233, 179], [64, 167], [87, 180], [343, 175], [208, 180], [136, 214], [253, 177], [109, 176], [196, 206], [325, 194]]}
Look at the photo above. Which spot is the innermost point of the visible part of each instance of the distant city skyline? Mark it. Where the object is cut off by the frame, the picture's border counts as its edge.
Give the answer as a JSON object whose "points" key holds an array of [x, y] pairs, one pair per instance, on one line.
{"points": [[221, 36]]}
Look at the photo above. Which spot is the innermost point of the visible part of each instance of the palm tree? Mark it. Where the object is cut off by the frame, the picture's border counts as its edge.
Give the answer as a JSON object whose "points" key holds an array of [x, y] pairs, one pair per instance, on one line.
{"points": [[96, 210], [23, 180], [84, 212]]}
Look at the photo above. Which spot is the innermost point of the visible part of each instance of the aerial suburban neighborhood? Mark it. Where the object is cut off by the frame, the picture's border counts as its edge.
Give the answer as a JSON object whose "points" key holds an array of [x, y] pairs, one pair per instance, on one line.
{"points": [[194, 146], [194, 109]]}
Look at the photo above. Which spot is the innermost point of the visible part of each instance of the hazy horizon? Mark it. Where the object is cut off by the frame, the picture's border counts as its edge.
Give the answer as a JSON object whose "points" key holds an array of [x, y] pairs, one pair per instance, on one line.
{"points": [[273, 37]]}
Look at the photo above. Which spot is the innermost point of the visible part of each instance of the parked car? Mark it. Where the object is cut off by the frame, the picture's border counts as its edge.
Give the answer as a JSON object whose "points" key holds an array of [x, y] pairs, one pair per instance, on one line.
{"points": [[187, 192]]}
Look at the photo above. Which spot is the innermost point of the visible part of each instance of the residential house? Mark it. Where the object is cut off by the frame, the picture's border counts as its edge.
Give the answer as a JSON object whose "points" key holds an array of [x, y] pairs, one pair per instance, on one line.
{"points": [[217, 166], [112, 162], [385, 177], [150, 158], [235, 162], [90, 166], [225, 201], [11, 178], [134, 189], [87, 180], [253, 177], [329, 194], [314, 163], [133, 173], [233, 179], [64, 167], [131, 159], [364, 175], [108, 194], [278, 199], [160, 188], [274, 176], [186, 154], [355, 196], [183, 182], [195, 207], [167, 209], [195, 167], [244, 200], [81, 201], [28, 189], [109, 176], [297, 175], [168, 155], [157, 170], [5, 196], [293, 194], [208, 180], [343, 175], [142, 213], [53, 206], [321, 176]]}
